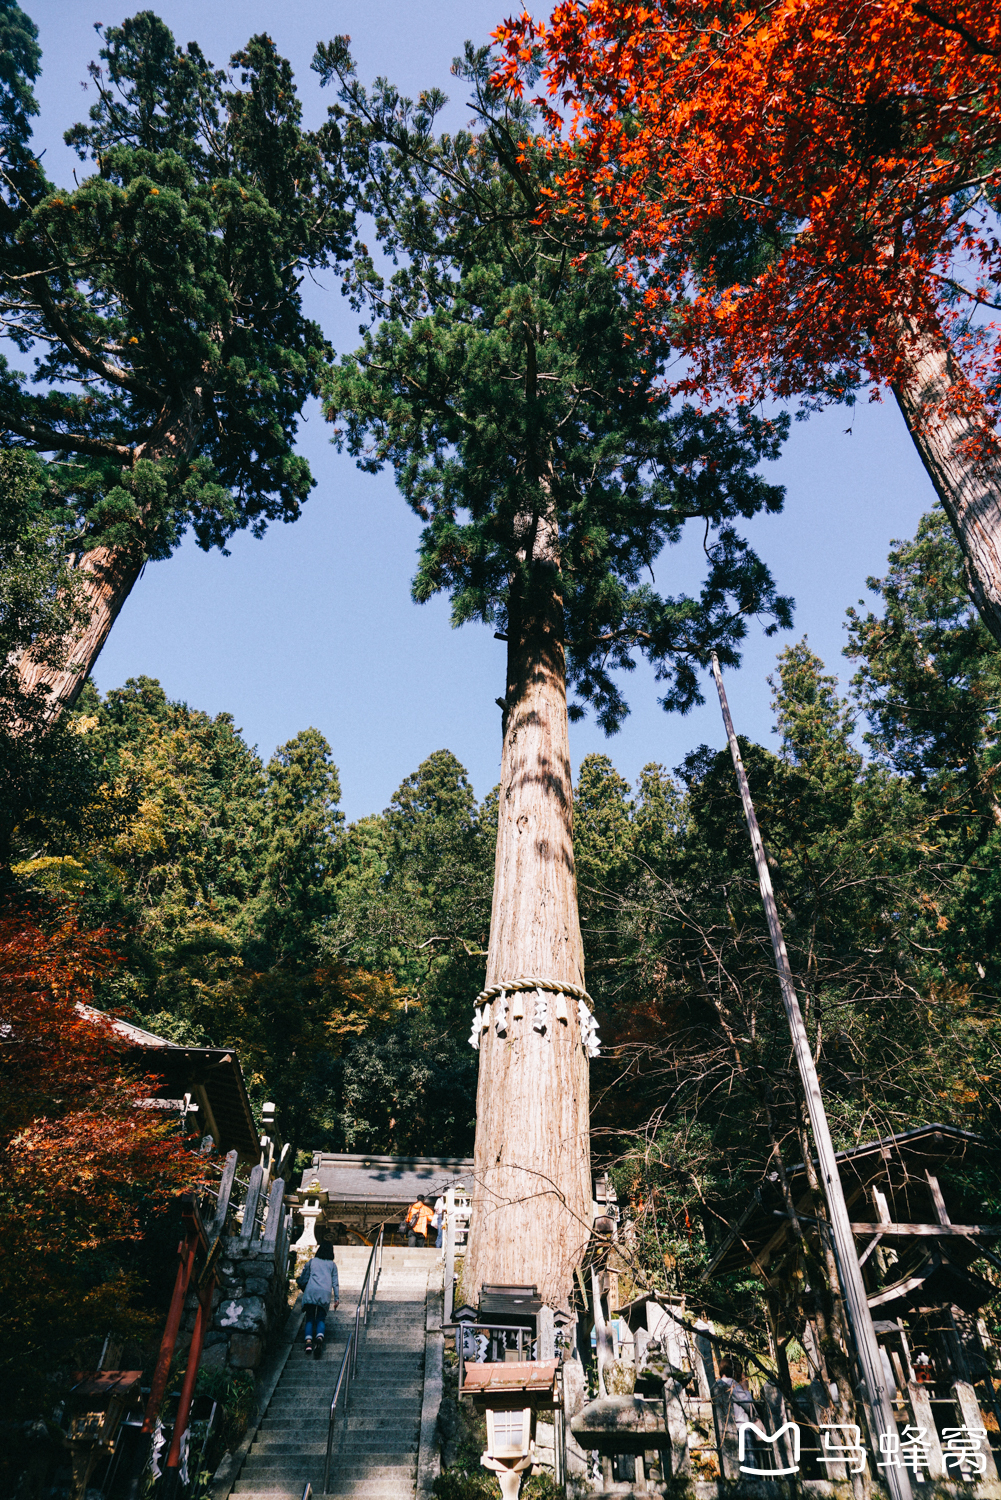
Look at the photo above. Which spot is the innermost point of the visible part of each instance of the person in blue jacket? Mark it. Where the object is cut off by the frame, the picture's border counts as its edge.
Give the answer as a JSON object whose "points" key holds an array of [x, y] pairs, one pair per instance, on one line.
{"points": [[320, 1286]]}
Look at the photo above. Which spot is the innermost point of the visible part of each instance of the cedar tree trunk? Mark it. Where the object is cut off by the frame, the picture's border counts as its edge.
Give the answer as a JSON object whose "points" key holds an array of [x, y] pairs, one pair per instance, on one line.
{"points": [[945, 418], [108, 574], [532, 1193]]}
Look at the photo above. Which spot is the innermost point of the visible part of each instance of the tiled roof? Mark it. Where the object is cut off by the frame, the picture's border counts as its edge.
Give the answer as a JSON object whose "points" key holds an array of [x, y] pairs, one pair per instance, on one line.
{"points": [[386, 1179], [521, 1375]]}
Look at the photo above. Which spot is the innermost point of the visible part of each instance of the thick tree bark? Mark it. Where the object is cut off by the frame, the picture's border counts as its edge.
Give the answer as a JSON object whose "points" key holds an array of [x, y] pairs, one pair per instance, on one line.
{"points": [[108, 575], [962, 458], [532, 1193]]}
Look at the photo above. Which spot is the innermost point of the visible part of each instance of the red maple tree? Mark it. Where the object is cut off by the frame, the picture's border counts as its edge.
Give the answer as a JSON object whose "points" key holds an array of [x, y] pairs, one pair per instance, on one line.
{"points": [[81, 1163], [808, 192]]}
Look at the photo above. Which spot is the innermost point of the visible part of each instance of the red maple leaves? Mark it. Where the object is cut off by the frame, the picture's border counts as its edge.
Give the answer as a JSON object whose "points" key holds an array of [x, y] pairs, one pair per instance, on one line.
{"points": [[803, 186], [81, 1163]]}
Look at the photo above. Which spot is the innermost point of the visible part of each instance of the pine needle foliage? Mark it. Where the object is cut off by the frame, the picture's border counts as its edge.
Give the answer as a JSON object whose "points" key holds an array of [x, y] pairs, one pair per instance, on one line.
{"points": [[500, 379]]}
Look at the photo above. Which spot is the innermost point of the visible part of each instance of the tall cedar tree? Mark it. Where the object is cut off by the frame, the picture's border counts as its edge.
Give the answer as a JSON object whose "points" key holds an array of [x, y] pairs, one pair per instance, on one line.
{"points": [[500, 379], [829, 175], [163, 293]]}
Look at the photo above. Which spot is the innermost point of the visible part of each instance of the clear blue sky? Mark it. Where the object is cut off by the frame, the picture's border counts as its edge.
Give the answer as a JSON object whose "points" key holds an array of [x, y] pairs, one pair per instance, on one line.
{"points": [[313, 625]]}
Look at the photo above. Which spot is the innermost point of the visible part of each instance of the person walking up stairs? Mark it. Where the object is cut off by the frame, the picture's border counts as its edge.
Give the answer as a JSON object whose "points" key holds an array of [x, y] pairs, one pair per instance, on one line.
{"points": [[319, 1285], [375, 1448]]}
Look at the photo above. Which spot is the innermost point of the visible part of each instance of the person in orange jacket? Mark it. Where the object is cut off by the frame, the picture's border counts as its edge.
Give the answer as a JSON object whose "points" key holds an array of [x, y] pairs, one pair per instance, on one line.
{"points": [[419, 1216]]}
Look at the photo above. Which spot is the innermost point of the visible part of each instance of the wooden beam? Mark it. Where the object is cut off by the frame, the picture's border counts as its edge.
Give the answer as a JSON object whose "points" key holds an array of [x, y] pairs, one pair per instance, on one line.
{"points": [[932, 1231], [937, 1199]]}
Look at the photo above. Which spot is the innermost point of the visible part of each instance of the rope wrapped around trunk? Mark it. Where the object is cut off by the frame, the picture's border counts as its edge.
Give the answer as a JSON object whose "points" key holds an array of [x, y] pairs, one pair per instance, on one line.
{"points": [[540, 1023], [513, 986]]}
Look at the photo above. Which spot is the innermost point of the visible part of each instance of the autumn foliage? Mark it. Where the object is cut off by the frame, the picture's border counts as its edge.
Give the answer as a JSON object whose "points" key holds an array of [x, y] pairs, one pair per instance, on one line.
{"points": [[804, 186], [81, 1166]]}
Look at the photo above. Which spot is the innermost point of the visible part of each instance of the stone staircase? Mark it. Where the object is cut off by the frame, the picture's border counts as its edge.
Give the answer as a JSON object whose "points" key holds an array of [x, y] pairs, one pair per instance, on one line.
{"points": [[375, 1449]]}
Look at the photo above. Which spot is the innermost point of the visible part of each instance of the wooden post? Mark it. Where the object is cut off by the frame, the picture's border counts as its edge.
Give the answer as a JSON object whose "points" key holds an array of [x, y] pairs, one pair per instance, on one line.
{"points": [[275, 1219], [254, 1190], [172, 1466], [603, 1351], [875, 1397], [225, 1193]]}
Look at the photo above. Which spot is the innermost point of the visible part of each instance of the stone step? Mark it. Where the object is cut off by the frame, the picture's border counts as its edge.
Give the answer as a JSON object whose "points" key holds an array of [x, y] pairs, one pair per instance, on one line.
{"points": [[315, 1442], [339, 1482], [290, 1464], [359, 1422], [375, 1359], [318, 1420], [292, 1467], [364, 1439], [319, 1417], [392, 1481], [369, 1393], [345, 1472], [404, 1436], [355, 1442], [371, 1367], [375, 1381], [389, 1484], [287, 1402], [377, 1393], [373, 1364]]}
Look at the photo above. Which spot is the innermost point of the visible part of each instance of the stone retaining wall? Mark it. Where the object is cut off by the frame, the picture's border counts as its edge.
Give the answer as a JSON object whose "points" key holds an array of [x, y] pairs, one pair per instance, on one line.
{"points": [[250, 1302]]}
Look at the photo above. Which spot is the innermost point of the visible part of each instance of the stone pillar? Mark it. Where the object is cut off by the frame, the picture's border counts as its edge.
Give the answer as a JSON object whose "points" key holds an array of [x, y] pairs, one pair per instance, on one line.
{"points": [[676, 1422], [307, 1243]]}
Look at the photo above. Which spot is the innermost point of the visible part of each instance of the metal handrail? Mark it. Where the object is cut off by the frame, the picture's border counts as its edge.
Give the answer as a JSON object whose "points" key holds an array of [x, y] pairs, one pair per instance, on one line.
{"points": [[349, 1359]]}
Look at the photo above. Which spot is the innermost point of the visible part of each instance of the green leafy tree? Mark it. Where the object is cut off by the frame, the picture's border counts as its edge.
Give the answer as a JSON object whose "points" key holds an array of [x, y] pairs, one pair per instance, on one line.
{"points": [[413, 897], [302, 825], [500, 379], [929, 673], [929, 681], [603, 828], [414, 893], [173, 837], [40, 606], [164, 293], [406, 1090]]}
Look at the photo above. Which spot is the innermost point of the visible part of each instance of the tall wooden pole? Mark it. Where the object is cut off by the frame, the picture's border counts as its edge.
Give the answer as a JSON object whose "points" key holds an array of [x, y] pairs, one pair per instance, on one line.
{"points": [[875, 1397]]}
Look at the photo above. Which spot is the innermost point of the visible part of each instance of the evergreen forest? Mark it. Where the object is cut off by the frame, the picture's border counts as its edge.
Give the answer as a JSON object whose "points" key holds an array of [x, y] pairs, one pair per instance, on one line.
{"points": [[155, 866], [341, 959]]}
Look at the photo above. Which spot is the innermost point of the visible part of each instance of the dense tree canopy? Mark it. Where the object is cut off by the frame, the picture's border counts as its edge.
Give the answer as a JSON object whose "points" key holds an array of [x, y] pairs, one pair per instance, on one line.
{"points": [[41, 604], [824, 166], [351, 1007], [161, 297], [810, 194], [501, 381]]}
